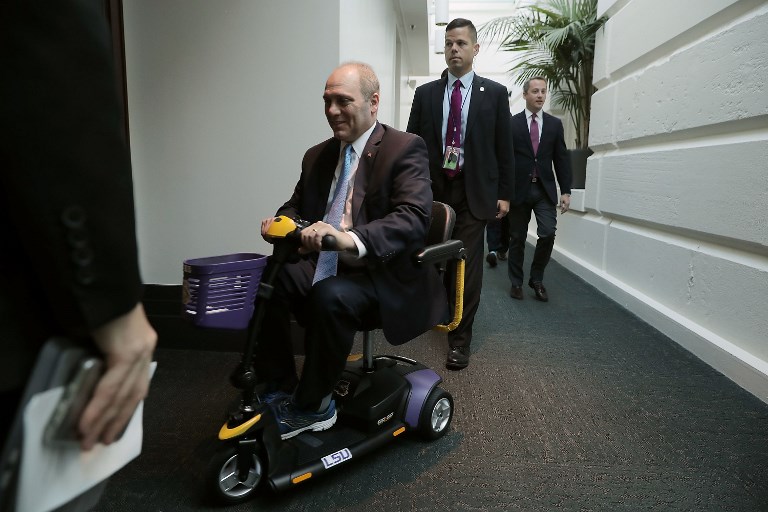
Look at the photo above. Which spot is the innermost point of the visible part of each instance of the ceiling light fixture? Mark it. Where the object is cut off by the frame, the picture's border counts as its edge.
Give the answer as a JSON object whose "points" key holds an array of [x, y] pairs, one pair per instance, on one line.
{"points": [[441, 13]]}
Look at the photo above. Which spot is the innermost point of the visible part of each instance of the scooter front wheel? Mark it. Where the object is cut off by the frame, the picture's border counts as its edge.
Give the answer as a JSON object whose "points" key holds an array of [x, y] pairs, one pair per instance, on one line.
{"points": [[226, 480]]}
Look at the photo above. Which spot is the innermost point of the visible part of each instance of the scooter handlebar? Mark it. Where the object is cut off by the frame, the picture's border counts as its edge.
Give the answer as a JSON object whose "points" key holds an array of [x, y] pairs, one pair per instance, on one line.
{"points": [[285, 227]]}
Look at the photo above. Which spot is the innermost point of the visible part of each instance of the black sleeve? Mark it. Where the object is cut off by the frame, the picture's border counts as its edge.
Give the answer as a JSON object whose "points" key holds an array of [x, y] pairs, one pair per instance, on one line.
{"points": [[414, 119], [67, 192], [561, 161], [505, 153]]}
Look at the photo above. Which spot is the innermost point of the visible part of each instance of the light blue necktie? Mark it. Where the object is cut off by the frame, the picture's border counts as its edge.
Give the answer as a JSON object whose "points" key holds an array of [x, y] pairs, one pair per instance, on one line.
{"points": [[328, 261]]}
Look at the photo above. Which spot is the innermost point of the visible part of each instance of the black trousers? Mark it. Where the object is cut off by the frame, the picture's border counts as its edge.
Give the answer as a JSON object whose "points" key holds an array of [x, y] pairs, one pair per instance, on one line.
{"points": [[519, 216], [497, 234], [470, 231], [331, 312]]}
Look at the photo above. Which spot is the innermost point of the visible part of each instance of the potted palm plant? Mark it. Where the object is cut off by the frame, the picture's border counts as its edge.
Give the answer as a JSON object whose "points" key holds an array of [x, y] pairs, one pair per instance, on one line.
{"points": [[556, 39]]}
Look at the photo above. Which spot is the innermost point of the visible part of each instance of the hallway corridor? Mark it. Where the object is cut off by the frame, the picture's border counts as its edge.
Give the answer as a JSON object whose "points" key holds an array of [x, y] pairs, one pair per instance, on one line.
{"points": [[572, 405]]}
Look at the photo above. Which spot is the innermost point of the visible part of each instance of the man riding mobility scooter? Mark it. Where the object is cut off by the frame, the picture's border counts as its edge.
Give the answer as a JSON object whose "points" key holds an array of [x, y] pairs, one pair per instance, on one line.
{"points": [[378, 397]]}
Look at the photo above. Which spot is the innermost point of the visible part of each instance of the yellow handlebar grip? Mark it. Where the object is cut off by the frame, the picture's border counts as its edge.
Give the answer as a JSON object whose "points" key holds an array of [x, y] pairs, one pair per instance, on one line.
{"points": [[281, 227]]}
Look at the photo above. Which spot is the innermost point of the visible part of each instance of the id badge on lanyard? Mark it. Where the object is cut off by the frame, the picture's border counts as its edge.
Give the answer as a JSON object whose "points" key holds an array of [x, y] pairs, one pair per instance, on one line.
{"points": [[451, 158]]}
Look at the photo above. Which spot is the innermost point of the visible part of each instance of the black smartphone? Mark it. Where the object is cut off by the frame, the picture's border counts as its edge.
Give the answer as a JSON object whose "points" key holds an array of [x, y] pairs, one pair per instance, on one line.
{"points": [[62, 426]]}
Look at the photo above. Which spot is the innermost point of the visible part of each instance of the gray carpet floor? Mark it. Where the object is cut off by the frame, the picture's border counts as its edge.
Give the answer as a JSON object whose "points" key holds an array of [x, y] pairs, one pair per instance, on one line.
{"points": [[572, 405]]}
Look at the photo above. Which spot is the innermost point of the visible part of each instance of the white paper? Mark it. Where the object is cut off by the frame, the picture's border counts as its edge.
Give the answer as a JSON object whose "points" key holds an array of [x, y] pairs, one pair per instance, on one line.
{"points": [[52, 476]]}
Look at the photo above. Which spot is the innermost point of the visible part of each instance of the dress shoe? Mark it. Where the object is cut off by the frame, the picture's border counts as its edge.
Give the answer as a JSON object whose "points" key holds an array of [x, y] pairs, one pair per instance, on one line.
{"points": [[502, 255], [458, 358], [491, 259], [541, 292], [516, 292]]}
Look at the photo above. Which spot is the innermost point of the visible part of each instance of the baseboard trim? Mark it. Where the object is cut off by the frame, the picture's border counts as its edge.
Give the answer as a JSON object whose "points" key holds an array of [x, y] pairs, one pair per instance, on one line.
{"points": [[741, 367], [164, 310]]}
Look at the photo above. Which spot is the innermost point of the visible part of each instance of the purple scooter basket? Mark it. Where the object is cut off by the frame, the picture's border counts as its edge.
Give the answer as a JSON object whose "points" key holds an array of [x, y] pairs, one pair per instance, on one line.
{"points": [[219, 291]]}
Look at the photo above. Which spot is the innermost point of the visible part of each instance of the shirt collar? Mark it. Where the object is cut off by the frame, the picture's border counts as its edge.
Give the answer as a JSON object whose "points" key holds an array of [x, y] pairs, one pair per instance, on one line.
{"points": [[466, 80], [359, 144], [539, 114]]}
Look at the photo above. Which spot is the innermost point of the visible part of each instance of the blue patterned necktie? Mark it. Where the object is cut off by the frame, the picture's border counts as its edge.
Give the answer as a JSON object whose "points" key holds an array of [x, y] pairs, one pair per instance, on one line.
{"points": [[328, 261]]}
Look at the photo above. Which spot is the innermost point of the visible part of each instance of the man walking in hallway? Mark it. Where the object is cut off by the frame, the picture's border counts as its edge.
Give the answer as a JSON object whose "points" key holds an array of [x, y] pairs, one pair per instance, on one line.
{"points": [[464, 120], [539, 145]]}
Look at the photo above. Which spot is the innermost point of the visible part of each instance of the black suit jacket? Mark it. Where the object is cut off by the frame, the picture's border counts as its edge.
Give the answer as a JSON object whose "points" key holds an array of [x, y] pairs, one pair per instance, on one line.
{"points": [[68, 262], [391, 206], [552, 152], [488, 154]]}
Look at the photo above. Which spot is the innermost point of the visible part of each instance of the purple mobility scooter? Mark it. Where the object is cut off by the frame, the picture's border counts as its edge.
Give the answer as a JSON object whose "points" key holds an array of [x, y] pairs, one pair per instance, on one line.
{"points": [[378, 398]]}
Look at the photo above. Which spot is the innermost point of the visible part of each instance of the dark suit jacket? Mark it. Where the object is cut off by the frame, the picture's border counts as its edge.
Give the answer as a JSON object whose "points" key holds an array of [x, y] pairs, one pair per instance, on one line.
{"points": [[68, 262], [391, 206], [551, 152], [488, 154]]}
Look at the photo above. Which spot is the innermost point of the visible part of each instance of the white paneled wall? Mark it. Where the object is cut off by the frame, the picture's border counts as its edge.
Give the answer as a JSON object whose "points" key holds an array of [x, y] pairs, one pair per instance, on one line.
{"points": [[672, 221]]}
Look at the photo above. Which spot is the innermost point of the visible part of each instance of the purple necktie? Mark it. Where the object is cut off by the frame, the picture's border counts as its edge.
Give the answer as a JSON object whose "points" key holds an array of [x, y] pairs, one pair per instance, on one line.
{"points": [[534, 134], [534, 140], [453, 129]]}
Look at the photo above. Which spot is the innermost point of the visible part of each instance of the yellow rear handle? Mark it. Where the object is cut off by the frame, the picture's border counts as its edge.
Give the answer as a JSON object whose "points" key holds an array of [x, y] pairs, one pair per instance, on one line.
{"points": [[458, 309]]}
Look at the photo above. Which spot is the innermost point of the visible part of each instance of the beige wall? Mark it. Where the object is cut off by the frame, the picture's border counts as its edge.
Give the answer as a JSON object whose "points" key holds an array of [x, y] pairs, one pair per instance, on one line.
{"points": [[374, 43], [224, 98]]}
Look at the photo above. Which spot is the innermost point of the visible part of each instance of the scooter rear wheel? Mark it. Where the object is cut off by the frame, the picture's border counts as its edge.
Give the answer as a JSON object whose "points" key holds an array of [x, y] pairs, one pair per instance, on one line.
{"points": [[224, 482], [436, 414]]}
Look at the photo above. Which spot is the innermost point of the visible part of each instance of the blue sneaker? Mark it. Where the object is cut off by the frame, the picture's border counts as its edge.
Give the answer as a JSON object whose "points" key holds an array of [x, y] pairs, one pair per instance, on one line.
{"points": [[272, 397], [292, 421]]}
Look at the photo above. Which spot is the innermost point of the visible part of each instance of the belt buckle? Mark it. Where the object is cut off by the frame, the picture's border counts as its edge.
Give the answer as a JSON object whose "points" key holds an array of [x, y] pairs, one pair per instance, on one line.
{"points": [[534, 179]]}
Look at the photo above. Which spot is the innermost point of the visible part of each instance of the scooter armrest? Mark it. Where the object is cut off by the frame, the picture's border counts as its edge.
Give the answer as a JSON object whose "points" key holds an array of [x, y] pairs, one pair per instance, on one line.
{"points": [[444, 251]]}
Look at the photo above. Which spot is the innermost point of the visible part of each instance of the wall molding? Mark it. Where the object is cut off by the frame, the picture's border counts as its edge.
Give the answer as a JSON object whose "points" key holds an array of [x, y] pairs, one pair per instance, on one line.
{"points": [[163, 306], [733, 362]]}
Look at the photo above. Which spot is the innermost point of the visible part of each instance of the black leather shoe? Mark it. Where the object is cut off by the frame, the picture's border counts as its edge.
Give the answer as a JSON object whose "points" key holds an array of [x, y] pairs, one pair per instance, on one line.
{"points": [[538, 288], [516, 292], [491, 259], [458, 358]]}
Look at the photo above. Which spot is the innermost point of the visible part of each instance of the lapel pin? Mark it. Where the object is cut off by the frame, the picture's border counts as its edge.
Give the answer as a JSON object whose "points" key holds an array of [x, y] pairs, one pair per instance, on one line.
{"points": [[482, 89], [369, 154]]}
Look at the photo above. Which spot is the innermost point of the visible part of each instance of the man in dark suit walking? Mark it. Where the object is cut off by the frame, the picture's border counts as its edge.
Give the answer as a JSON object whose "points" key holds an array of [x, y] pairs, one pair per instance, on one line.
{"points": [[376, 179], [467, 116], [539, 145]]}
